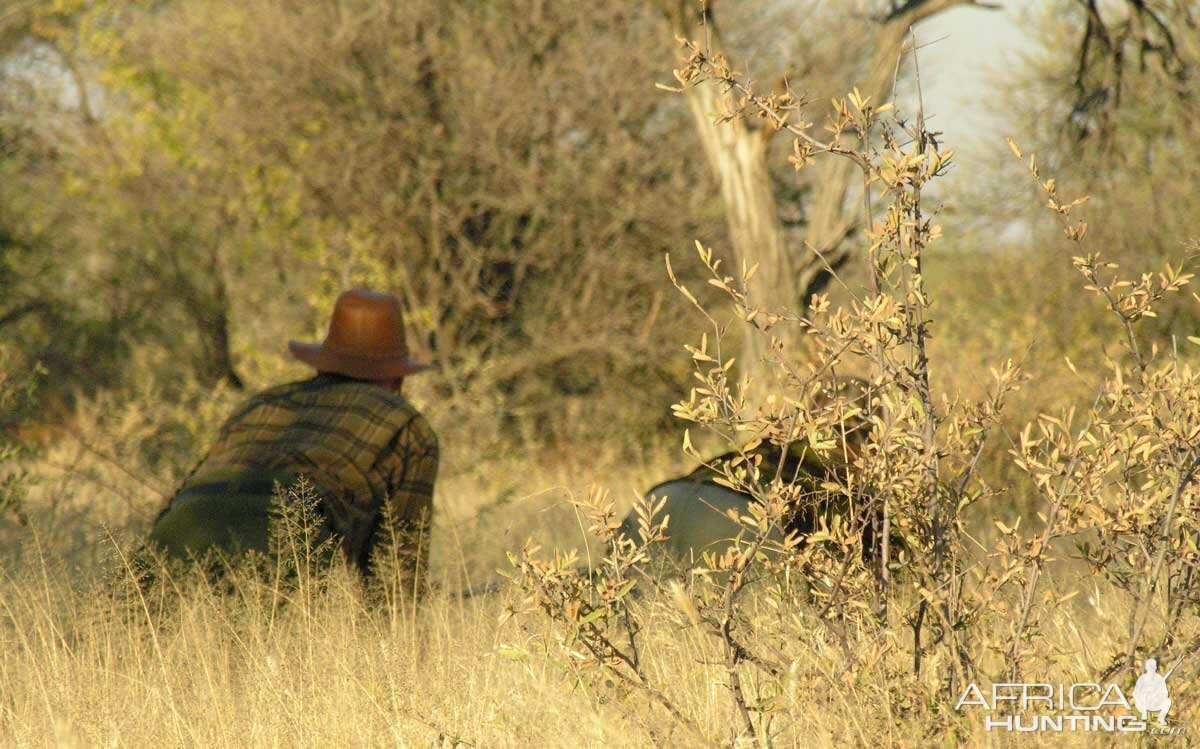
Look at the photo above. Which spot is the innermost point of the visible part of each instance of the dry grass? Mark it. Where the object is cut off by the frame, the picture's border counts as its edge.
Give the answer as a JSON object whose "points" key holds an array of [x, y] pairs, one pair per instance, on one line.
{"points": [[317, 666], [288, 668]]}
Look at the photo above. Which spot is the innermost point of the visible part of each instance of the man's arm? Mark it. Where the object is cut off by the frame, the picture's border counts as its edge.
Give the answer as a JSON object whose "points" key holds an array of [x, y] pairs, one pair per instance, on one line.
{"points": [[400, 557]]}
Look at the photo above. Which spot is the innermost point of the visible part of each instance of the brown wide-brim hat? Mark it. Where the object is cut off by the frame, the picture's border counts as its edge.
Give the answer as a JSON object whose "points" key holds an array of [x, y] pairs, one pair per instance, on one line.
{"points": [[365, 339]]}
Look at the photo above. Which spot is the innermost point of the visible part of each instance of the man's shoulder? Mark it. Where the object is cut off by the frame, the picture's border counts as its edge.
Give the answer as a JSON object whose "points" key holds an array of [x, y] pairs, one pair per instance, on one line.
{"points": [[358, 399], [422, 430], [383, 406], [364, 394]]}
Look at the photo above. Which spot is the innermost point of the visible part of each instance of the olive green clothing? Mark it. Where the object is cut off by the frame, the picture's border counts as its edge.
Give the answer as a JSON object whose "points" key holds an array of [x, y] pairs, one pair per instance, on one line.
{"points": [[367, 451]]}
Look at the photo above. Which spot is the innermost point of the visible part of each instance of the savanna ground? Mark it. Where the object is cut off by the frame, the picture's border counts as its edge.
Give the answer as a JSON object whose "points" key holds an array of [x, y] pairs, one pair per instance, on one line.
{"points": [[184, 186]]}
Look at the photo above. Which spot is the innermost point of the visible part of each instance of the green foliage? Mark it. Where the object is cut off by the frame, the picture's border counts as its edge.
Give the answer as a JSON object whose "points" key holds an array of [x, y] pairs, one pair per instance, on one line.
{"points": [[242, 163], [185, 185]]}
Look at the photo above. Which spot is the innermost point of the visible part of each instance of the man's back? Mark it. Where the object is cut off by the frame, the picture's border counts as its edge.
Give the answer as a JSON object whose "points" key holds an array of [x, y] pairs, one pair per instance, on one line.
{"points": [[370, 456], [356, 442]]}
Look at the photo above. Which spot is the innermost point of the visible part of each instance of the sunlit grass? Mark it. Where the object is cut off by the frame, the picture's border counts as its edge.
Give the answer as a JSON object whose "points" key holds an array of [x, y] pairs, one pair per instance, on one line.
{"points": [[88, 663]]}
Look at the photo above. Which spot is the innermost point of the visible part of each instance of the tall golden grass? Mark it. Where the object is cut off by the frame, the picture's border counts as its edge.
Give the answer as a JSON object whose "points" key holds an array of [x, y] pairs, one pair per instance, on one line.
{"points": [[316, 665]]}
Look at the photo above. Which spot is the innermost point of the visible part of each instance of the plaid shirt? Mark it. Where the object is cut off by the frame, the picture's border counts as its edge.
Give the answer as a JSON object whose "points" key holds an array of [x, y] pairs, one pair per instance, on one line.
{"points": [[370, 455]]}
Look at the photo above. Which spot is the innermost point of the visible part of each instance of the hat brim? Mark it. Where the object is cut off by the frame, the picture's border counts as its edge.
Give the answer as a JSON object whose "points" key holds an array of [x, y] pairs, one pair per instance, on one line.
{"points": [[359, 367]]}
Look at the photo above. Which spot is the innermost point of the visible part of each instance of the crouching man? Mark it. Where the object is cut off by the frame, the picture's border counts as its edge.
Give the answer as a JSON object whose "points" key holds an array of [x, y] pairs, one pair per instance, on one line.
{"points": [[369, 454]]}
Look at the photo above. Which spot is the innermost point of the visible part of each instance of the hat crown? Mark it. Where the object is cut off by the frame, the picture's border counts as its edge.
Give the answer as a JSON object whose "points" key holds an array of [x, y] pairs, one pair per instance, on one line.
{"points": [[365, 339], [366, 324]]}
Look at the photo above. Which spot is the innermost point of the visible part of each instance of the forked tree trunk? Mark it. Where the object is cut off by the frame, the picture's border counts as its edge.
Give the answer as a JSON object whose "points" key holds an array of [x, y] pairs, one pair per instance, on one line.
{"points": [[737, 152], [831, 218]]}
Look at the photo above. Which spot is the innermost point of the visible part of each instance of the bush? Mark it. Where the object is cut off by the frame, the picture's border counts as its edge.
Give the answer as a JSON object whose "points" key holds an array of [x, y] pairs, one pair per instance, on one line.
{"points": [[1122, 481]]}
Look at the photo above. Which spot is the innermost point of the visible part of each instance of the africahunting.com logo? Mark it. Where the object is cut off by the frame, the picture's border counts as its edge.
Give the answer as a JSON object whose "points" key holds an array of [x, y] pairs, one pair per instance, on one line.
{"points": [[1084, 706]]}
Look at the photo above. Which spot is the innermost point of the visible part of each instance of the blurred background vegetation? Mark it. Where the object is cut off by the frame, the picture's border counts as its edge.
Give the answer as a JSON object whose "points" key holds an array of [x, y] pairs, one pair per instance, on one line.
{"points": [[186, 185]]}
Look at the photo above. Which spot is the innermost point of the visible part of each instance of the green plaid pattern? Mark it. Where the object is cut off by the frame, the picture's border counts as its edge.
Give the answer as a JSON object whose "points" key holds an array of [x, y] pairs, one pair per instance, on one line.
{"points": [[371, 456]]}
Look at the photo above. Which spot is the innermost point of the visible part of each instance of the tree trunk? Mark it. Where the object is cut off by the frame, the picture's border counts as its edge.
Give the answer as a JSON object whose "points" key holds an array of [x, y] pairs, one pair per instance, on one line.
{"points": [[832, 219], [211, 314], [737, 153]]}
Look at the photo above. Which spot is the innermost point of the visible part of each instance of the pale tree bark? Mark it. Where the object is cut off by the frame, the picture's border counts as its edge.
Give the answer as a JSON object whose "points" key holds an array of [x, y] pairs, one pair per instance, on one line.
{"points": [[832, 219], [737, 153]]}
